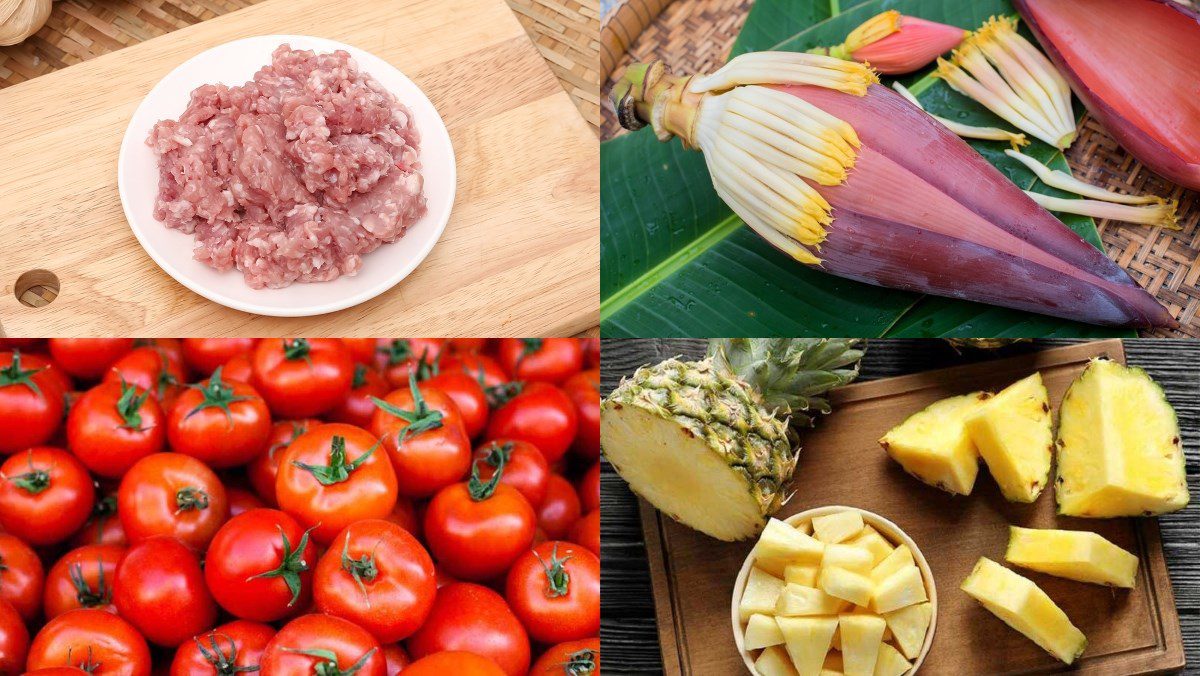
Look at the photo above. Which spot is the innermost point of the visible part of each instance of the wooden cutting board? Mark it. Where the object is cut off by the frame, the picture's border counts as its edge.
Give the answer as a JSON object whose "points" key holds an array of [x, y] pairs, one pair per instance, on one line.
{"points": [[1129, 631], [520, 255]]}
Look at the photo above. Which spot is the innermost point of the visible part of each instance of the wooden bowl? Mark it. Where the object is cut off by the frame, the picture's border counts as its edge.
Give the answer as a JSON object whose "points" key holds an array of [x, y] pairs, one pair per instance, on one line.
{"points": [[888, 530]]}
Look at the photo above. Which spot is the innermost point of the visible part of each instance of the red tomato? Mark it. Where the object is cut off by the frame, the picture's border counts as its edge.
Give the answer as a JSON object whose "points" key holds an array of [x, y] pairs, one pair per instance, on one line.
{"points": [[82, 578], [14, 640], [474, 619], [241, 501], [160, 590], [239, 368], [100, 643], [113, 425], [554, 590], [586, 531], [560, 510], [457, 662], [45, 495], [377, 576], [227, 650], [172, 494], [525, 468], [584, 390], [88, 358], [573, 658], [21, 576], [591, 353], [467, 394], [405, 516], [332, 476], [397, 658], [150, 368], [225, 424], [20, 343], [459, 345], [204, 355], [304, 376], [31, 402], [57, 671], [359, 405], [322, 644], [541, 360], [362, 350], [103, 527], [483, 369], [399, 357], [424, 435], [541, 414], [171, 348], [476, 529], [263, 469], [589, 489], [259, 566]]}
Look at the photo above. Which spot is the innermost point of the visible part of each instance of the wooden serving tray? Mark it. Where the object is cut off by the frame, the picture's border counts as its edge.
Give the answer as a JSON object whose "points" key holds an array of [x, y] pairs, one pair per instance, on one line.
{"points": [[1129, 631], [520, 255]]}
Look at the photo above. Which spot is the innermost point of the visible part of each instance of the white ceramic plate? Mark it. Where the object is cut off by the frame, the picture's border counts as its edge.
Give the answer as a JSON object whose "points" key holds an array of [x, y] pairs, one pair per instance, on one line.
{"points": [[235, 63]]}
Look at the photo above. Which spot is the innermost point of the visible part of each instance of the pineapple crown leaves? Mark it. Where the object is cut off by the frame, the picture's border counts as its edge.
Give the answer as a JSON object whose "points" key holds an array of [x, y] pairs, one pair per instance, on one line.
{"points": [[789, 375]]}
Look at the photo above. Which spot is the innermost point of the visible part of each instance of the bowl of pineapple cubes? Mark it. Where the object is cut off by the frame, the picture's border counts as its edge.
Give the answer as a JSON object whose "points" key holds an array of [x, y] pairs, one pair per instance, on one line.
{"points": [[834, 590]]}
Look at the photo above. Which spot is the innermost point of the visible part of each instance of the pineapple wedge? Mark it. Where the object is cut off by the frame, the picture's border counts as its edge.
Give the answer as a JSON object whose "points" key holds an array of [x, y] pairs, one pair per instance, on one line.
{"points": [[780, 545], [1075, 555], [933, 444], [901, 557], [873, 542], [909, 625], [1012, 431], [844, 584], [796, 600], [1025, 607], [761, 594], [1119, 452], [761, 632], [804, 575], [891, 662], [861, 637], [774, 661], [902, 588], [849, 557], [839, 527], [807, 641]]}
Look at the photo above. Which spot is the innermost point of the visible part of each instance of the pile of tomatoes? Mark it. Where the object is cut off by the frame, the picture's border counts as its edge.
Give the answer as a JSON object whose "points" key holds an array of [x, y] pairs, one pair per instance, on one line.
{"points": [[286, 507]]}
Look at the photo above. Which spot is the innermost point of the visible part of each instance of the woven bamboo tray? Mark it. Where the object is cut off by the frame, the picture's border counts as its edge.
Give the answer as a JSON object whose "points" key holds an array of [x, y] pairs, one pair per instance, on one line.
{"points": [[696, 36]]}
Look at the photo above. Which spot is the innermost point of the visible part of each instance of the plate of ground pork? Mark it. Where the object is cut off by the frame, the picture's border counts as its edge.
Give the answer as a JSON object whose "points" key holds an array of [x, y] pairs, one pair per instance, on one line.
{"points": [[287, 175]]}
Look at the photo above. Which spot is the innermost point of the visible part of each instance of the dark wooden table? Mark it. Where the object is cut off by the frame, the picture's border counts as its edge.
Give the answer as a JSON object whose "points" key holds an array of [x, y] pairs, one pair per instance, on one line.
{"points": [[628, 633]]}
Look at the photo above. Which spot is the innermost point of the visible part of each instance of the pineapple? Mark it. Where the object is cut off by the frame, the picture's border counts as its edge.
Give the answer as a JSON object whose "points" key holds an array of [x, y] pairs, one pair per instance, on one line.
{"points": [[774, 661], [1012, 431], [891, 662], [861, 637], [808, 640], [761, 594], [901, 557], [708, 442], [796, 600], [1075, 555], [762, 631], [1119, 452], [1026, 608], [902, 588], [873, 543], [851, 558], [844, 584], [804, 575], [908, 626], [838, 527], [933, 444], [780, 544]]}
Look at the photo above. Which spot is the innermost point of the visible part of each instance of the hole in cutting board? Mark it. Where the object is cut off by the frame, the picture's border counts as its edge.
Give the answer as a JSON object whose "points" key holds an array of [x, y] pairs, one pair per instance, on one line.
{"points": [[37, 288]]}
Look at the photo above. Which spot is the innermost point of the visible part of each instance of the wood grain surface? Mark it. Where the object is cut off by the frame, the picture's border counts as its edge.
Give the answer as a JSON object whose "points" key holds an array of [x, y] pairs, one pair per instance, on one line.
{"points": [[629, 630], [519, 256]]}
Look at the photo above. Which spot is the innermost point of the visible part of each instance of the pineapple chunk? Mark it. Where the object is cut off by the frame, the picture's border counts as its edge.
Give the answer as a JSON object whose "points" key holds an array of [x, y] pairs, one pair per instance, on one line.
{"points": [[1075, 555], [909, 625], [797, 600], [891, 662], [833, 664], [780, 544], [774, 661], [1119, 452], [851, 558], [900, 557], [902, 588], [1026, 608], [807, 641], [802, 574], [834, 528], [845, 584], [861, 637], [933, 444], [761, 594], [762, 631], [1012, 432], [873, 542]]}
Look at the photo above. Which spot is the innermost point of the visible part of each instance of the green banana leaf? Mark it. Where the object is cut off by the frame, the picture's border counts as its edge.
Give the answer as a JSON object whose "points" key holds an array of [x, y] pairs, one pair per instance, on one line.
{"points": [[676, 261]]}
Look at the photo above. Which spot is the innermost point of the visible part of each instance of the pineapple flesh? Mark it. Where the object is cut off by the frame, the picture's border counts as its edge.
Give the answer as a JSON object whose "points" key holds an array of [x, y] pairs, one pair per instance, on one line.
{"points": [[902, 588], [762, 631], [834, 528], [807, 640], [761, 594], [1075, 555], [908, 626], [1119, 452], [861, 637], [933, 444], [1012, 431], [891, 662], [774, 661], [1022, 605]]}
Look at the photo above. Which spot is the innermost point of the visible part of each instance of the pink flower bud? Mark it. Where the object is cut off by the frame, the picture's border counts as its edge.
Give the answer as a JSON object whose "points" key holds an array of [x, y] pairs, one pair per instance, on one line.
{"points": [[894, 44]]}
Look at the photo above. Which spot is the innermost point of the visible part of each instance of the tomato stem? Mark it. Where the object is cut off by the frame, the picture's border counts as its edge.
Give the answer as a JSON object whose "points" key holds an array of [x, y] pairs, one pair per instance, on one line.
{"points": [[13, 374], [360, 376], [224, 663], [338, 469], [420, 419], [499, 395], [297, 348], [291, 565], [190, 498], [362, 568], [581, 663], [129, 406], [329, 667], [479, 490], [216, 395], [558, 580], [83, 591], [529, 346], [34, 481]]}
